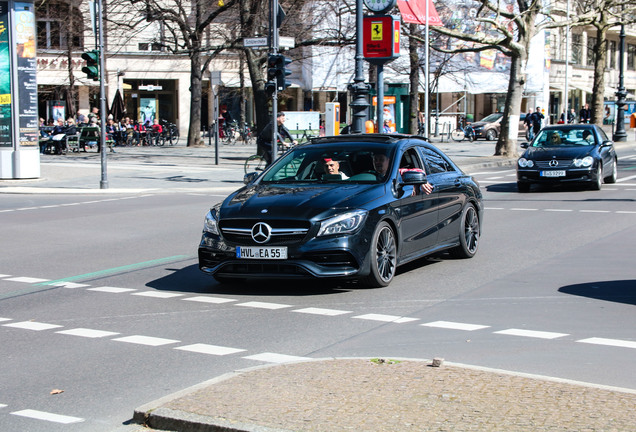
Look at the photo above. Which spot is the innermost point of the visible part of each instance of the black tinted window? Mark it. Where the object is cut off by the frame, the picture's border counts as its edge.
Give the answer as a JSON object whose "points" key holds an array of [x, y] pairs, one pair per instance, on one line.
{"points": [[435, 161]]}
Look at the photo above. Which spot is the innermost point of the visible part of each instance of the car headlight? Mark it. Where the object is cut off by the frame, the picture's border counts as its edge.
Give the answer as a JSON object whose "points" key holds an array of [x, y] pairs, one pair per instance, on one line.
{"points": [[343, 224], [587, 161], [525, 163], [211, 223]]}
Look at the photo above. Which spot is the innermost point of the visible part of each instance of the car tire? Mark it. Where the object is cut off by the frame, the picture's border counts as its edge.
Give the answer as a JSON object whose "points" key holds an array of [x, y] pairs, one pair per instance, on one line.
{"points": [[382, 257], [469, 233], [598, 182], [491, 135], [523, 187], [612, 177]]}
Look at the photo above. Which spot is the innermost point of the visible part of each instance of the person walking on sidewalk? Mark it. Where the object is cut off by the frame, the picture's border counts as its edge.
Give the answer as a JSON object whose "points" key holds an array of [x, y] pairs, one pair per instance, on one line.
{"points": [[537, 121], [528, 123], [585, 114]]}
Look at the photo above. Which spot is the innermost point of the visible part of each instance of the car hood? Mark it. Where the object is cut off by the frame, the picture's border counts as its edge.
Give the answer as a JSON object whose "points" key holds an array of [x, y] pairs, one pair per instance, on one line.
{"points": [[297, 201], [478, 124], [547, 153]]}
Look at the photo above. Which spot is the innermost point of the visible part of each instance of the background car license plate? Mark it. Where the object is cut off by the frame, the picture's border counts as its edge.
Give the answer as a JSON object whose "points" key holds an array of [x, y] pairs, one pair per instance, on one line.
{"points": [[555, 173], [247, 252]]}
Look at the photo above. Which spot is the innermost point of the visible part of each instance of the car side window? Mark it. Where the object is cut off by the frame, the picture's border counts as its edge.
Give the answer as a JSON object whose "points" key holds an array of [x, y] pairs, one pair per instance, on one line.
{"points": [[435, 162], [410, 160]]}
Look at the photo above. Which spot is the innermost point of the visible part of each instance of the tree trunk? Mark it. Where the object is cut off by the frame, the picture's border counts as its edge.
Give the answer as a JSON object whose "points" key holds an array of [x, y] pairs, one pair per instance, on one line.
{"points": [[414, 78], [600, 50], [507, 144], [194, 131]]}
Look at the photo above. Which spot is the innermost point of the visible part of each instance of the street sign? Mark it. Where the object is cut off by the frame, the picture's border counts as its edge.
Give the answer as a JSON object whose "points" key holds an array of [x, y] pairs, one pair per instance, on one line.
{"points": [[255, 42], [286, 42]]}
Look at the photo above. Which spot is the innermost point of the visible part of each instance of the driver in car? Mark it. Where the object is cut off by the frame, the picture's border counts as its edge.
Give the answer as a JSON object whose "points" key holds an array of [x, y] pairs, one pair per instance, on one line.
{"points": [[332, 168]]}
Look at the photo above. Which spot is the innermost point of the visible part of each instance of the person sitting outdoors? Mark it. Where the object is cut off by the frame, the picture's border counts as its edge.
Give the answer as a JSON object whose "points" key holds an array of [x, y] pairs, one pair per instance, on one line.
{"points": [[332, 169], [157, 130]]}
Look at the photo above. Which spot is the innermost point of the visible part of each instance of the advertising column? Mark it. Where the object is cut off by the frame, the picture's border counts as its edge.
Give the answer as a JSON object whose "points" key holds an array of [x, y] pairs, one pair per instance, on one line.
{"points": [[19, 150]]}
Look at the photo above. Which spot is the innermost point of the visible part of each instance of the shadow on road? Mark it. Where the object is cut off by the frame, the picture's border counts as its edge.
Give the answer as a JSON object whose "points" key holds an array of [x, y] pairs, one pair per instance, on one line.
{"points": [[621, 291], [191, 280]]}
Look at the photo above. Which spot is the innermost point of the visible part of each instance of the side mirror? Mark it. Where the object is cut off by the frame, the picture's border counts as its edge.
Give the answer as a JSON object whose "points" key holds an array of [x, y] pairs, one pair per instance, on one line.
{"points": [[413, 178], [606, 143], [524, 145], [250, 177]]}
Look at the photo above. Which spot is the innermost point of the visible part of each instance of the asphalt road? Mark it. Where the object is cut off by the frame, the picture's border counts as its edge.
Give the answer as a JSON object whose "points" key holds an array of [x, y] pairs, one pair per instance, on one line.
{"points": [[102, 307]]}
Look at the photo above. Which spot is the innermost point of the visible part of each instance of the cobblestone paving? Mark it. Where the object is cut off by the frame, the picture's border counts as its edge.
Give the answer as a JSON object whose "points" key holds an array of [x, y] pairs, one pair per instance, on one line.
{"points": [[362, 395]]}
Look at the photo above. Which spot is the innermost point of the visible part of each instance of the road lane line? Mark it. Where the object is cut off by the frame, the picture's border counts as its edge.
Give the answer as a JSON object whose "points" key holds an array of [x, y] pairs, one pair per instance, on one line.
{"points": [[126, 268], [558, 210], [386, 318], [47, 416], [69, 285], [209, 299], [87, 333], [32, 325], [5, 319], [609, 342], [146, 340], [264, 305], [275, 358], [455, 325], [29, 280], [209, 349], [321, 311], [594, 211], [531, 333]]}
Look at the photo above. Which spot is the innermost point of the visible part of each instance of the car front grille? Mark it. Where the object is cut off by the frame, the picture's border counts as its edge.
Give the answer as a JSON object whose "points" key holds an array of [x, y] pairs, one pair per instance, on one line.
{"points": [[283, 232], [562, 163]]}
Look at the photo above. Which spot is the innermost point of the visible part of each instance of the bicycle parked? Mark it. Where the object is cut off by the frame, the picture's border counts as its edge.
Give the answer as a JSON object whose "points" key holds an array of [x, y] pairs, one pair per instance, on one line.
{"points": [[463, 131], [169, 134]]}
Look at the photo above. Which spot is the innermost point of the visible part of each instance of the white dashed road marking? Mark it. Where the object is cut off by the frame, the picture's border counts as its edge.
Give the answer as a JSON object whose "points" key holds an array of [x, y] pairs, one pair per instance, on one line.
{"points": [[27, 280], [157, 294], [321, 311], [609, 342], [114, 290], [146, 340], [88, 333], [264, 305], [209, 349], [41, 415], [32, 325], [531, 333], [386, 318], [207, 299], [275, 358], [455, 325]]}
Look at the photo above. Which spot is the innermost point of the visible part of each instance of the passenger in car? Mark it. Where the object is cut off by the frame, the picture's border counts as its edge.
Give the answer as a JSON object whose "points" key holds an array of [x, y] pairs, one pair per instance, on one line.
{"points": [[332, 168]]}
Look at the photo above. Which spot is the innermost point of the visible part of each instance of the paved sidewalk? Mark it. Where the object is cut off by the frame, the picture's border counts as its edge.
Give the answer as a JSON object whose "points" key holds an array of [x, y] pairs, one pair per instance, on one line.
{"points": [[375, 395]]}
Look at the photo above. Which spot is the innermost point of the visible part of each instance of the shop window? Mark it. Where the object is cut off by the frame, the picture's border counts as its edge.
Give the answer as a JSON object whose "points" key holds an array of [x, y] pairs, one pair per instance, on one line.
{"points": [[631, 53], [60, 25], [591, 54]]}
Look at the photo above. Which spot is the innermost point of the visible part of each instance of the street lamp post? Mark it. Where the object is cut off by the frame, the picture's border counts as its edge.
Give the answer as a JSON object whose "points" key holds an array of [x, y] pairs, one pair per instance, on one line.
{"points": [[620, 134], [359, 89]]}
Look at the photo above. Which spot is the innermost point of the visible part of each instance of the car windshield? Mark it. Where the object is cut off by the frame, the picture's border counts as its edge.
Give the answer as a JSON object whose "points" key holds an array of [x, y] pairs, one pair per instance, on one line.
{"points": [[574, 136], [492, 117], [334, 162]]}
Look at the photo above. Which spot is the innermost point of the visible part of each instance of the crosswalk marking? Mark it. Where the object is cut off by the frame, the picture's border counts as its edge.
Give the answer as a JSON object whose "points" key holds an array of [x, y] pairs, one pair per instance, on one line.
{"points": [[146, 340], [42, 415], [209, 349], [275, 358], [531, 333], [609, 342], [455, 325], [88, 333], [32, 325], [31, 280], [69, 285]]}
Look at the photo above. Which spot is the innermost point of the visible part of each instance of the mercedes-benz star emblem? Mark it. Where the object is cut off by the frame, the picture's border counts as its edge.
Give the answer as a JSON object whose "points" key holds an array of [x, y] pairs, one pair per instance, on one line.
{"points": [[261, 232], [554, 163]]}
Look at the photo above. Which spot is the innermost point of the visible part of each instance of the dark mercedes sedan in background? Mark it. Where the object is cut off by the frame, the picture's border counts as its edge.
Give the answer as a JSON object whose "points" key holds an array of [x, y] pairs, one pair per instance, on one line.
{"points": [[579, 153], [297, 220]]}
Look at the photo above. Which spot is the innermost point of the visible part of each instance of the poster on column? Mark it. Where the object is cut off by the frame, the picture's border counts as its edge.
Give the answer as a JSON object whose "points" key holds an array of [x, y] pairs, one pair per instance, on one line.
{"points": [[27, 93], [5, 78]]}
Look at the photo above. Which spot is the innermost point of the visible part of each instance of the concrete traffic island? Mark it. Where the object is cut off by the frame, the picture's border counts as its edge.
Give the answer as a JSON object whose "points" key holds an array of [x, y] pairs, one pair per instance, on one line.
{"points": [[390, 395]]}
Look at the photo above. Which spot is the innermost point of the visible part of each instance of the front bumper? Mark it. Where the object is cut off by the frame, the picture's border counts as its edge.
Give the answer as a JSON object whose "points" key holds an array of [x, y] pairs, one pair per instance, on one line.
{"points": [[572, 175]]}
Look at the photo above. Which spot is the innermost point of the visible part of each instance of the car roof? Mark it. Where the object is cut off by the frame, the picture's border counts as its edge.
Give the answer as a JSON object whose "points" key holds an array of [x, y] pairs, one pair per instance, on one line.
{"points": [[570, 126]]}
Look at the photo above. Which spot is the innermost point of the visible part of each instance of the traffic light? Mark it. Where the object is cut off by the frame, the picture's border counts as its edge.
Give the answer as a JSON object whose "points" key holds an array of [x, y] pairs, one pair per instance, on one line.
{"points": [[92, 64], [277, 71]]}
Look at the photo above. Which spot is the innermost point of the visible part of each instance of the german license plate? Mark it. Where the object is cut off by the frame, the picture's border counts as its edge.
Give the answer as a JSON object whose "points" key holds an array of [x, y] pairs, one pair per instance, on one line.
{"points": [[554, 173], [250, 252]]}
